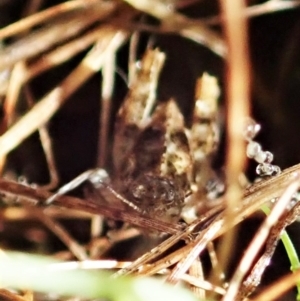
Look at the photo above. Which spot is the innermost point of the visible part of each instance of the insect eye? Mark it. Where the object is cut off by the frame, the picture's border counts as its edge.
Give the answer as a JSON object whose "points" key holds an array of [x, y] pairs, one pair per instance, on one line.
{"points": [[138, 191]]}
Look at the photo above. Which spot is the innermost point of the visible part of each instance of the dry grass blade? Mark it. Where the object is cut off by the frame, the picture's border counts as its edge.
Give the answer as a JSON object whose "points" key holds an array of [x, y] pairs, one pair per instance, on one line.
{"points": [[176, 22], [196, 270], [49, 60], [91, 265], [35, 195], [108, 74], [205, 236], [267, 7], [12, 89], [26, 23], [62, 29], [24, 213], [254, 278], [6, 295], [156, 251], [274, 291], [63, 53], [254, 198], [165, 262], [158, 150], [205, 285], [77, 250], [47, 106], [238, 108], [46, 145], [259, 239], [217, 274], [196, 247]]}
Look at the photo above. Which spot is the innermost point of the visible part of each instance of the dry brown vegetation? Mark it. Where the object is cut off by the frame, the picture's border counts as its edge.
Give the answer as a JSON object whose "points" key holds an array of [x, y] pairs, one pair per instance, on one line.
{"points": [[65, 70]]}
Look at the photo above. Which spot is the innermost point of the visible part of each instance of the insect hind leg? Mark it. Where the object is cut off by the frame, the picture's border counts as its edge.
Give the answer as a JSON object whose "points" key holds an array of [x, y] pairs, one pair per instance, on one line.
{"points": [[98, 177]]}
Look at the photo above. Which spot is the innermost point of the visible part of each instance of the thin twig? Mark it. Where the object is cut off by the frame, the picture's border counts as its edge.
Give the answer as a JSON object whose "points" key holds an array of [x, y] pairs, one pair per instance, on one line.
{"points": [[217, 271]]}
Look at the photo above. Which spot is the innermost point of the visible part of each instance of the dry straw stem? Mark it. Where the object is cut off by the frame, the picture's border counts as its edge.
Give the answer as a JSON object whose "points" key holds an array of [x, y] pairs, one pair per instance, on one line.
{"points": [[28, 193], [165, 245], [279, 287], [47, 106], [44, 16], [254, 198], [10, 296], [155, 252], [216, 228], [62, 28], [261, 193], [203, 284], [74, 247], [271, 6], [13, 88], [49, 60], [259, 239], [254, 277], [63, 53], [218, 273], [17, 72], [196, 247], [196, 270], [46, 145], [108, 83], [238, 108], [24, 213], [165, 262], [176, 22]]}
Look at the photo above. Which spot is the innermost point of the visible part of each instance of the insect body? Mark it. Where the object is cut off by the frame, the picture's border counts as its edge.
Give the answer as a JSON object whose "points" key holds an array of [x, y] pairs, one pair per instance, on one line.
{"points": [[157, 175], [157, 160]]}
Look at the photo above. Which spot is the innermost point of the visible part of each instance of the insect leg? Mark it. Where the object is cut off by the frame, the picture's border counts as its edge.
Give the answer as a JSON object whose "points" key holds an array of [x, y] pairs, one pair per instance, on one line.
{"points": [[95, 176]]}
